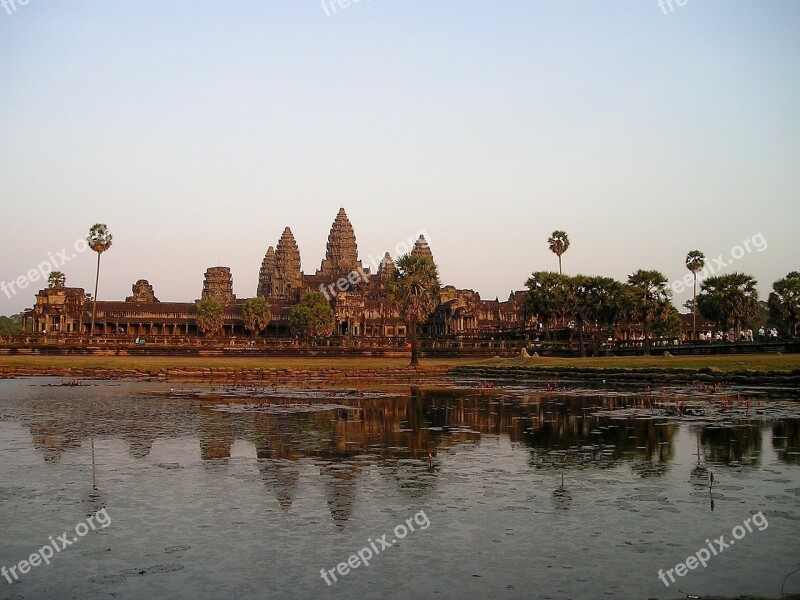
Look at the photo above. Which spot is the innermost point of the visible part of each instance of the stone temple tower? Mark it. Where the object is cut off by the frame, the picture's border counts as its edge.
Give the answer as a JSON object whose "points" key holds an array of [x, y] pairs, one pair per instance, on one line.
{"points": [[142, 292], [421, 247], [287, 278], [266, 273], [387, 268], [218, 285], [341, 255]]}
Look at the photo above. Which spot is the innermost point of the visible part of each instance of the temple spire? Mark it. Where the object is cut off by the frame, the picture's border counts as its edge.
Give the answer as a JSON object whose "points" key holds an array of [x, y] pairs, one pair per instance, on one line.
{"points": [[266, 273], [288, 278], [422, 248], [387, 267], [341, 255]]}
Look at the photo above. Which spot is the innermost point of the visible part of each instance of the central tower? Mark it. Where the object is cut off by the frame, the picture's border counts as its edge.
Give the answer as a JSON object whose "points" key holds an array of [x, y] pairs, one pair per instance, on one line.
{"points": [[341, 255]]}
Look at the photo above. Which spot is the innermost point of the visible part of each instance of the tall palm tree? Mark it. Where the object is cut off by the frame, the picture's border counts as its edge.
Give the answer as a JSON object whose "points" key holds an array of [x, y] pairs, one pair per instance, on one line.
{"points": [[415, 289], [559, 243], [99, 240], [695, 261]]}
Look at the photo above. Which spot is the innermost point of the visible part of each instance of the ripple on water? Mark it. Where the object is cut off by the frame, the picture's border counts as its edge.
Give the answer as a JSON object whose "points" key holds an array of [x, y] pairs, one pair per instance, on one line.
{"points": [[154, 570]]}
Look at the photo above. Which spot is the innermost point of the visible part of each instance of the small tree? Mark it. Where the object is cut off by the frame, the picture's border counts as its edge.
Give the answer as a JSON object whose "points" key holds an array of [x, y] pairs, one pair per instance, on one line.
{"points": [[209, 316], [414, 288], [559, 244], [546, 297], [312, 317], [56, 279], [695, 261], [784, 301], [256, 315], [730, 300], [11, 325], [670, 325], [647, 300], [99, 240], [597, 300]]}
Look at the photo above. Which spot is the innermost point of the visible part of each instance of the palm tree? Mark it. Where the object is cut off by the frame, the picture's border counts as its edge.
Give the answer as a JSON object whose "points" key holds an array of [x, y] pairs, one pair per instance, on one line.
{"points": [[597, 300], [559, 243], [648, 301], [256, 315], [414, 287], [695, 261], [546, 297], [56, 279], [784, 301], [99, 240], [209, 316], [730, 300]]}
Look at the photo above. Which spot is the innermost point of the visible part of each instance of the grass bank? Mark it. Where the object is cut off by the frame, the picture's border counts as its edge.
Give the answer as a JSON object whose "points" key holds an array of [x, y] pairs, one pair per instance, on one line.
{"points": [[728, 362], [147, 363], [725, 362]]}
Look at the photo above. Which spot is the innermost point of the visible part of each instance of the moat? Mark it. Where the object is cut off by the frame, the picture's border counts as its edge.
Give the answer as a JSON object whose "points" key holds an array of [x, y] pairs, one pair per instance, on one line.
{"points": [[528, 491]]}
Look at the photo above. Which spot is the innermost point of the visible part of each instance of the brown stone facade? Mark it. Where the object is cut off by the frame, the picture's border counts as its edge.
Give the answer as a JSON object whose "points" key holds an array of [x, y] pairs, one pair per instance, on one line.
{"points": [[356, 295]]}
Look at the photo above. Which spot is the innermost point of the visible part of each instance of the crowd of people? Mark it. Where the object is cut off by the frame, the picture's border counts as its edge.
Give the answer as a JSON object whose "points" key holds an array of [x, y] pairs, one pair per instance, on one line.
{"points": [[745, 335]]}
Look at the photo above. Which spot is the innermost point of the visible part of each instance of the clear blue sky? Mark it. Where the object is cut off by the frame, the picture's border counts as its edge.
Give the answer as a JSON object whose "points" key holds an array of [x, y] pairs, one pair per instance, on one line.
{"points": [[198, 130]]}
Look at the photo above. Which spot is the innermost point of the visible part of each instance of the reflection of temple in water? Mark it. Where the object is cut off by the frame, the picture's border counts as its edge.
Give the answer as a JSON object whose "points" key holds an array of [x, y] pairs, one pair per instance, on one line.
{"points": [[732, 444], [397, 435], [786, 440], [53, 437]]}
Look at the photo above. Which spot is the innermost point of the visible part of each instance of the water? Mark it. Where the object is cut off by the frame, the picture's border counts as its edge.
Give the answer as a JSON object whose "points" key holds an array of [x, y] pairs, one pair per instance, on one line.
{"points": [[526, 494]]}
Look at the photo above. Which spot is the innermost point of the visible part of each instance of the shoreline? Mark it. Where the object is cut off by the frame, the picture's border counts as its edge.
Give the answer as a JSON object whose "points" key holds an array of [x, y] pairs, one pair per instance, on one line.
{"points": [[312, 371], [229, 374], [712, 375]]}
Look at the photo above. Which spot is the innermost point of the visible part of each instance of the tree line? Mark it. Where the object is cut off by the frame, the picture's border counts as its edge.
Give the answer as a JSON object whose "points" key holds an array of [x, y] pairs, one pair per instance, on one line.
{"points": [[731, 301], [593, 303]]}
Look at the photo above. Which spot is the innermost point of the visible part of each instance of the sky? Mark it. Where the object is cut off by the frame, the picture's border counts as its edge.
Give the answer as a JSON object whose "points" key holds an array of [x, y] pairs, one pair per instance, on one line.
{"points": [[198, 130]]}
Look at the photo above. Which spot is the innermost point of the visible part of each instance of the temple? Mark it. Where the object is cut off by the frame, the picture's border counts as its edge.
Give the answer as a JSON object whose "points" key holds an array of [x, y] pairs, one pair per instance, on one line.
{"points": [[356, 294]]}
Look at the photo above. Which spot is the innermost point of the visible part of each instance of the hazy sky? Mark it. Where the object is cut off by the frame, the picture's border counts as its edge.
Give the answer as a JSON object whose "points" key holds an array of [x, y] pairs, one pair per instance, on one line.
{"points": [[198, 130]]}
